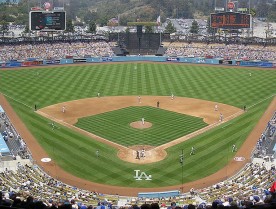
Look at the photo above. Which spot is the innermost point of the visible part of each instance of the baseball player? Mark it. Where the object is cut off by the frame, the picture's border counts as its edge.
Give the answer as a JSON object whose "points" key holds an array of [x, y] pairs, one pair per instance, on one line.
{"points": [[192, 151], [181, 158], [172, 96], [143, 121], [221, 117], [98, 94], [233, 148], [97, 153], [63, 109], [216, 107], [143, 153], [139, 99], [53, 125], [137, 155]]}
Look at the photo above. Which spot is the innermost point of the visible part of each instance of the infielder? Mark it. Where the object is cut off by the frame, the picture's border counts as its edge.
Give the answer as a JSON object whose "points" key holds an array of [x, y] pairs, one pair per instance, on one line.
{"points": [[216, 107], [221, 117], [63, 109], [172, 96], [139, 99]]}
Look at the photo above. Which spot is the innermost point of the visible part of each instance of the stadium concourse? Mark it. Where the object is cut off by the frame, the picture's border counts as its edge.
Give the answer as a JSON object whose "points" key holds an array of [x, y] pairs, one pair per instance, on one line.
{"points": [[24, 183]]}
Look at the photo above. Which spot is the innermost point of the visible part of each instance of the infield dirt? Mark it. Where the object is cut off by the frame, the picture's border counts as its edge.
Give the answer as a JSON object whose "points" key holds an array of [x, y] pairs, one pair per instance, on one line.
{"points": [[91, 106], [54, 170], [77, 109]]}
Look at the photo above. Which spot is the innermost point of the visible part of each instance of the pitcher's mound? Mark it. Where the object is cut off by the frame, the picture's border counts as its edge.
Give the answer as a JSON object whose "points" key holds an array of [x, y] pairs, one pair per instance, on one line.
{"points": [[140, 125]]}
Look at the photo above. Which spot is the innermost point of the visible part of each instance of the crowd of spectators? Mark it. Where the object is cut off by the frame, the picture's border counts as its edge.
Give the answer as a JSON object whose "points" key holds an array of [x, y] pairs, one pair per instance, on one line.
{"points": [[102, 48], [54, 50], [265, 147], [13, 140], [31, 187], [227, 52]]}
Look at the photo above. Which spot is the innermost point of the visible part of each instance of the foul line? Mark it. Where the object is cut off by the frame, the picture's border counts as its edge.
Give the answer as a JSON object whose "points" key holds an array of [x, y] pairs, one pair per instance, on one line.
{"points": [[17, 100]]}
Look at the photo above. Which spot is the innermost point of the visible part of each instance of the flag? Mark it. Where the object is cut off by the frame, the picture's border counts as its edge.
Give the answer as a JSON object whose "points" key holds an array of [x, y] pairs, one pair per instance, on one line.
{"points": [[158, 21]]}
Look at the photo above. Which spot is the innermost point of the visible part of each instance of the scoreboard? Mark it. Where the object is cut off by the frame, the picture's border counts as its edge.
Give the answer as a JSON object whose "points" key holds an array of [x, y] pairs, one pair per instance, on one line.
{"points": [[47, 20], [230, 20]]}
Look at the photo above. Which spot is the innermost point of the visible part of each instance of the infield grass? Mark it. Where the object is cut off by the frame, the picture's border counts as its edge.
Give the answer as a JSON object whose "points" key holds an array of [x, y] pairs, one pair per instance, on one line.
{"points": [[75, 153], [166, 125]]}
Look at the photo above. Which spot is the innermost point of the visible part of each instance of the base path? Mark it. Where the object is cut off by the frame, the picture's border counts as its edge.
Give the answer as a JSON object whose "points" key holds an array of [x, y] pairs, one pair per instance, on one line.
{"points": [[52, 168], [91, 106]]}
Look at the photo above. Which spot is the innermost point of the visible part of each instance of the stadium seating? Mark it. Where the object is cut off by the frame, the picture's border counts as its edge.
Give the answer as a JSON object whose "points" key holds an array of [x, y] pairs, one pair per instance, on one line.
{"points": [[251, 184]]}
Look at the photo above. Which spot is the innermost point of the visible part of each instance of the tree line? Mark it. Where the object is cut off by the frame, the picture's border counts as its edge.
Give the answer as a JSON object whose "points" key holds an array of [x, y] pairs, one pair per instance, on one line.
{"points": [[101, 11]]}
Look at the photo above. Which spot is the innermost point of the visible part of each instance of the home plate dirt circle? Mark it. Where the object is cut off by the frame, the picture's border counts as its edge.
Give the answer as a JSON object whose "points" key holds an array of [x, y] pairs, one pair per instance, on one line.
{"points": [[152, 154], [77, 109], [140, 125]]}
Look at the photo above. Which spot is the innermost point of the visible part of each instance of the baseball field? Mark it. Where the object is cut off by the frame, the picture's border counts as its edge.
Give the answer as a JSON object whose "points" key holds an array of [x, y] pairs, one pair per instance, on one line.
{"points": [[90, 123]]}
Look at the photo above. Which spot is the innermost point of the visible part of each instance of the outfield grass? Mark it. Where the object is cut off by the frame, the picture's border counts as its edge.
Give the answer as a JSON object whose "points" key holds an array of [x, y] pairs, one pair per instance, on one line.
{"points": [[76, 153], [115, 125]]}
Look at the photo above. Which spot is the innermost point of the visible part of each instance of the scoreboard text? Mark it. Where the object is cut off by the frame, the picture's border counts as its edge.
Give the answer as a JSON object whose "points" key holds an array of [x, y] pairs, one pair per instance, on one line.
{"points": [[230, 20], [47, 21]]}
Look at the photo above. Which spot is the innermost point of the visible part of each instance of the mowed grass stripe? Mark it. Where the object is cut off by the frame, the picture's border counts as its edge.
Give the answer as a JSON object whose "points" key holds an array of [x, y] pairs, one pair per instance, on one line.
{"points": [[85, 154], [226, 85], [167, 125]]}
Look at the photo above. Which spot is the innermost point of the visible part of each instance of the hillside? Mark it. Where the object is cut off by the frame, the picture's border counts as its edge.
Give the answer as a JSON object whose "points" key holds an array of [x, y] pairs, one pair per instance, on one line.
{"points": [[100, 11]]}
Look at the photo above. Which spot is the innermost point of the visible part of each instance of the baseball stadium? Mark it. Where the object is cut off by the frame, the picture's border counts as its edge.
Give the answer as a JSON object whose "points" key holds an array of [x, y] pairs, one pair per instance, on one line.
{"points": [[90, 123]]}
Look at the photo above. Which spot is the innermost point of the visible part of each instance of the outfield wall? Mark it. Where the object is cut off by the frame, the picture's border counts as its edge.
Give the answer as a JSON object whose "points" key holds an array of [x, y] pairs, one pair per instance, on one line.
{"points": [[196, 60]]}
